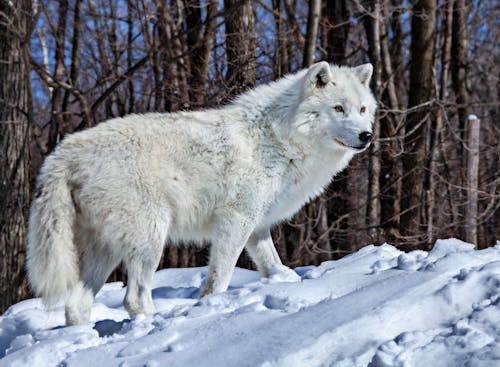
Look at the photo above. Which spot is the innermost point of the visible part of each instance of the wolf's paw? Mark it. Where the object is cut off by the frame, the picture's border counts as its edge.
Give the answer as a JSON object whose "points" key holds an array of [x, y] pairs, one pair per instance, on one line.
{"points": [[281, 273]]}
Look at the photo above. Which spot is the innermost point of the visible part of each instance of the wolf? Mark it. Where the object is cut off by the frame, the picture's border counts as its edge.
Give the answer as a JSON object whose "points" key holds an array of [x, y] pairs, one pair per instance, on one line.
{"points": [[120, 191]]}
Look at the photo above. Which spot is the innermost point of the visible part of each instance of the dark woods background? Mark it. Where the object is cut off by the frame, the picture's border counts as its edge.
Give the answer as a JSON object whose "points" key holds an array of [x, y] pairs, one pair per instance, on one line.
{"points": [[432, 171]]}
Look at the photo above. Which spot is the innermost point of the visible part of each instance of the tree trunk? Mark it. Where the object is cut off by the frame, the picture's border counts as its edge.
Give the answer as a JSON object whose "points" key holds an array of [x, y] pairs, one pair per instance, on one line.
{"points": [[199, 43], [293, 24], [57, 122], [459, 59], [75, 42], [130, 40], [421, 87], [171, 47], [324, 242], [312, 32], [338, 25], [357, 192], [390, 175], [336, 206], [281, 61], [15, 116], [396, 48], [116, 99], [459, 66], [372, 27], [105, 64], [472, 179], [440, 113], [240, 45]]}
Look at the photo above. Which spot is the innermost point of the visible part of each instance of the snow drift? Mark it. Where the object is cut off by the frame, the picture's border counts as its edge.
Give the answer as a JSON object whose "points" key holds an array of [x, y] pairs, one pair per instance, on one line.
{"points": [[377, 307]]}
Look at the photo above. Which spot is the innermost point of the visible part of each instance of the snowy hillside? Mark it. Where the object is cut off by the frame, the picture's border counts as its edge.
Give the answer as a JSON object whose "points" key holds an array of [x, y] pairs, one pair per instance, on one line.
{"points": [[377, 307]]}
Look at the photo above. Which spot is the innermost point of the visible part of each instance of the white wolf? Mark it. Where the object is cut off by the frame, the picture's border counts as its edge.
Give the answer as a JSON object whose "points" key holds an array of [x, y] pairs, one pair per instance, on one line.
{"points": [[119, 191]]}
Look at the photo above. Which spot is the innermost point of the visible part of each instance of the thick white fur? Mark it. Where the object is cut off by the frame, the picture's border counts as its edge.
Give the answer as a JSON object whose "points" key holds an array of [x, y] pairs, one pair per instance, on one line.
{"points": [[117, 192]]}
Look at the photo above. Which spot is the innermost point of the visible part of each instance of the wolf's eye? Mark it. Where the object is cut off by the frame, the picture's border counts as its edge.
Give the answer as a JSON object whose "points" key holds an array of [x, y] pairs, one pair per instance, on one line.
{"points": [[362, 110], [339, 108]]}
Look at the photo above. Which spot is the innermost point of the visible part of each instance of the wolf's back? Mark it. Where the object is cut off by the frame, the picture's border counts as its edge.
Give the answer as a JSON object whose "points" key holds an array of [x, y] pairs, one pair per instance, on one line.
{"points": [[52, 262]]}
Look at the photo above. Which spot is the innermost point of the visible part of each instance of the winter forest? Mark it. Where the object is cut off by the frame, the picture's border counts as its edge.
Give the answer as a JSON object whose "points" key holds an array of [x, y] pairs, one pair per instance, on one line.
{"points": [[432, 171]]}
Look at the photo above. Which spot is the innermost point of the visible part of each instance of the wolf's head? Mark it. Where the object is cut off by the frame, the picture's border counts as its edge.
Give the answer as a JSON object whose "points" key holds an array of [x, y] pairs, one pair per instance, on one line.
{"points": [[337, 108]]}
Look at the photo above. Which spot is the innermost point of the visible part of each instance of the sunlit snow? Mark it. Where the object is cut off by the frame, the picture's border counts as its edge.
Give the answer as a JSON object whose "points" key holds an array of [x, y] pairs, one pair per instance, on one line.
{"points": [[376, 307]]}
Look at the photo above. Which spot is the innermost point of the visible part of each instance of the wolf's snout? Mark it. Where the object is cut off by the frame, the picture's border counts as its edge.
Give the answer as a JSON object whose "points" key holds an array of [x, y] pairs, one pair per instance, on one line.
{"points": [[365, 137]]}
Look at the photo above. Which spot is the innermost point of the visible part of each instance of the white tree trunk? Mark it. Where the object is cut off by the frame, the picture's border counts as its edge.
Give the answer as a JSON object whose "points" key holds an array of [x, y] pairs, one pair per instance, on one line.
{"points": [[474, 125]]}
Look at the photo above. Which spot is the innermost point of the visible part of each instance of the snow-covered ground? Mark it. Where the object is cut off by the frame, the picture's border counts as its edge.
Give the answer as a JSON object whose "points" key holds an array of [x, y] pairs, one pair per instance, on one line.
{"points": [[376, 307]]}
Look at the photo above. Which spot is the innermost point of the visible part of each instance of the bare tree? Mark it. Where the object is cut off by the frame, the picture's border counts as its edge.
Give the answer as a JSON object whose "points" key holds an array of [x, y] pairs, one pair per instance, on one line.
{"points": [[391, 128], [200, 39], [311, 32], [472, 178], [282, 64], [15, 117], [459, 61], [75, 43], [421, 89], [337, 30], [57, 122], [240, 45], [437, 133], [372, 22]]}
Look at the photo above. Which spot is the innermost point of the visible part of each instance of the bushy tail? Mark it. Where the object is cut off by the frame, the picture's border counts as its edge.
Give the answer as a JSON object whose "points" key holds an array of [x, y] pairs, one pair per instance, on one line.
{"points": [[52, 261]]}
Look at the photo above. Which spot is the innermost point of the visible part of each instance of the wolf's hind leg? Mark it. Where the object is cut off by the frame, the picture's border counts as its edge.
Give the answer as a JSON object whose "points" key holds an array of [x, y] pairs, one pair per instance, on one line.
{"points": [[141, 266], [79, 304], [261, 249], [96, 264]]}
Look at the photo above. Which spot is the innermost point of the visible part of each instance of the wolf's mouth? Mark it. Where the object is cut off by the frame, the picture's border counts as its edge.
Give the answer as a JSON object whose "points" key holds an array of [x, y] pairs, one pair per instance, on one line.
{"points": [[361, 147], [340, 142]]}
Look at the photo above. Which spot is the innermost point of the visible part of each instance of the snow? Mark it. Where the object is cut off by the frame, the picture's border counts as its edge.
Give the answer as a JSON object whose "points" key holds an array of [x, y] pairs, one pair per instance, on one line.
{"points": [[377, 307]]}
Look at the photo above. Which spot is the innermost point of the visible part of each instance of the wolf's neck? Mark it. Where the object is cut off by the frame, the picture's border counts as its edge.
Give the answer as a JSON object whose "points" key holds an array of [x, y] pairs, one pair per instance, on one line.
{"points": [[275, 101], [274, 105]]}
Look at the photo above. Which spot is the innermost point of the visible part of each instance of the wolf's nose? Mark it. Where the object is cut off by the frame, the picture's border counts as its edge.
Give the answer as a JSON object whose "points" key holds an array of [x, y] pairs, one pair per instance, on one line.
{"points": [[365, 137]]}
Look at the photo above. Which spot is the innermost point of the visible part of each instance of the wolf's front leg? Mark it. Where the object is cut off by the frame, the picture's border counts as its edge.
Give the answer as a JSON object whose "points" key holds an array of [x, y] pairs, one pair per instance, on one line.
{"points": [[261, 249], [230, 237]]}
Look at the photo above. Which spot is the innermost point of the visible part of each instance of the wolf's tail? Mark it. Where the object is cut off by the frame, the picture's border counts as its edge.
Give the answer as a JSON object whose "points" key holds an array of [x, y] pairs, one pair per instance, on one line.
{"points": [[52, 262]]}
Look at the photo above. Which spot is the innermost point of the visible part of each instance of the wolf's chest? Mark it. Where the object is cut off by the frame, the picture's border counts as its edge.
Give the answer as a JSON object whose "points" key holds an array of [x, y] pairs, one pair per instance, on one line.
{"points": [[297, 187]]}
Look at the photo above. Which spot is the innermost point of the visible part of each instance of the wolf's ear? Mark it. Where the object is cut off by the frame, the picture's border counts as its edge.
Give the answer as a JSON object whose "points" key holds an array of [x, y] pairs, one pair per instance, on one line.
{"points": [[318, 76], [364, 73]]}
